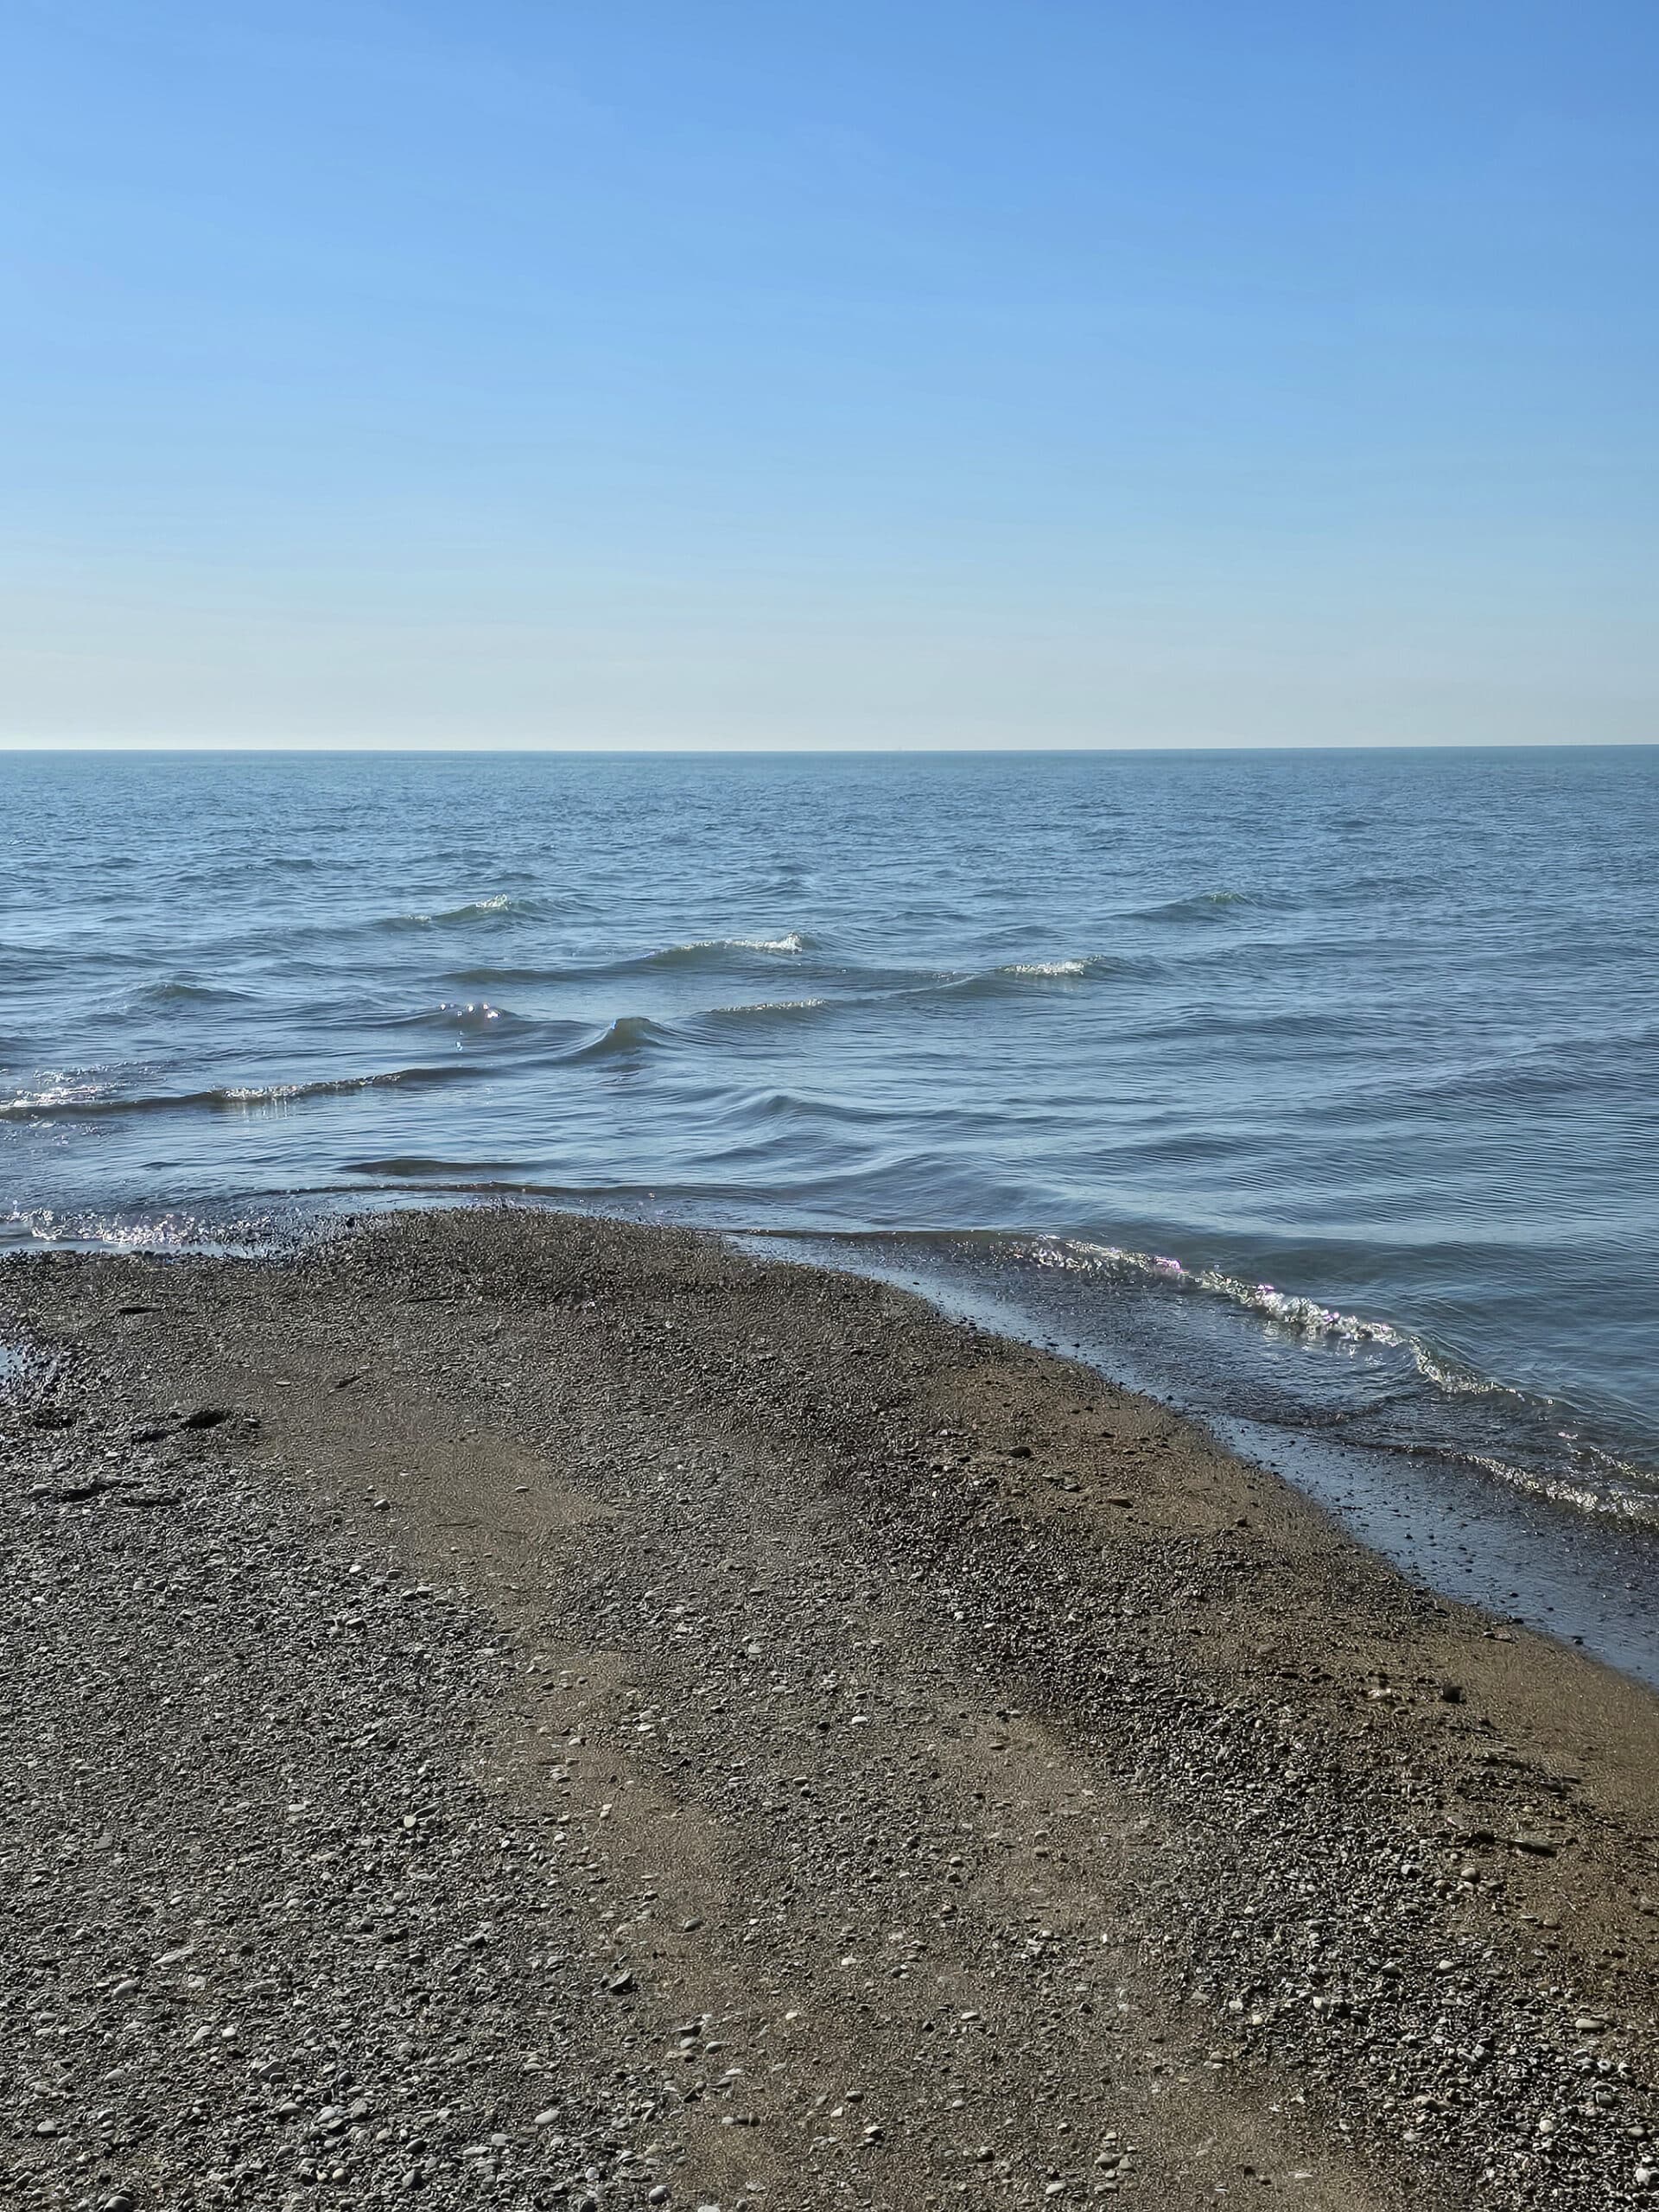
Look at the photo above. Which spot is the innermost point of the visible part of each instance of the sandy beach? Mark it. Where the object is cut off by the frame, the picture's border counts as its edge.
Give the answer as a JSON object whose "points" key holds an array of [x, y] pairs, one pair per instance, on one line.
{"points": [[504, 1708]]}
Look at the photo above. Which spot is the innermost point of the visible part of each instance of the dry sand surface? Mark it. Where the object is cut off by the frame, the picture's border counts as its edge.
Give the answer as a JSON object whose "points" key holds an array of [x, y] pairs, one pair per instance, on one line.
{"points": [[503, 1708]]}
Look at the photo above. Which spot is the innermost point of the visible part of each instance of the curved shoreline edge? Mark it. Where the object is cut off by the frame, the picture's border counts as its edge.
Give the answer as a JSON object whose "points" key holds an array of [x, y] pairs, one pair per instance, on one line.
{"points": [[1446, 1519], [1020, 1789]]}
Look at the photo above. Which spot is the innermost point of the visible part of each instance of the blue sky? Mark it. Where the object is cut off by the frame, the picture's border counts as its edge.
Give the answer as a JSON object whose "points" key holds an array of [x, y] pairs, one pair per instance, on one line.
{"points": [[727, 373]]}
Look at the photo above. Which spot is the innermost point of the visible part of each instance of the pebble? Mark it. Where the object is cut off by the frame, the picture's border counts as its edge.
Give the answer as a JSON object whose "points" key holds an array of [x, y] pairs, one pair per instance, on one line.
{"points": [[1299, 1919]]}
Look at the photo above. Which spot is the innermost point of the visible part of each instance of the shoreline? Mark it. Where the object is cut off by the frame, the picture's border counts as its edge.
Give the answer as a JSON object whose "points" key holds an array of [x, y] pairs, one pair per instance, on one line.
{"points": [[1609, 1474], [1532, 1547], [940, 1723], [1481, 1537]]}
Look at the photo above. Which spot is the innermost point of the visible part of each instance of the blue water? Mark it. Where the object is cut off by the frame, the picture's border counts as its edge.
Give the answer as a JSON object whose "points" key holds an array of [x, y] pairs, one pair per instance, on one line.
{"points": [[1334, 1075]]}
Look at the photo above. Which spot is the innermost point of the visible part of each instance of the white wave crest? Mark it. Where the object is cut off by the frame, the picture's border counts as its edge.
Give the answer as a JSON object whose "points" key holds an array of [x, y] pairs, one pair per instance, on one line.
{"points": [[1305, 1315], [56, 1092]]}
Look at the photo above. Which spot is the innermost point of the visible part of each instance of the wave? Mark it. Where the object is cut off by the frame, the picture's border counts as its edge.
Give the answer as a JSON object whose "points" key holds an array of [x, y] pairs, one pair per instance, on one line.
{"points": [[177, 992], [71, 1102], [1418, 1401], [679, 955], [277, 1094], [1620, 1060], [1598, 1480], [485, 976], [623, 1039], [1020, 975], [226, 1233], [1207, 907], [418, 1164], [1305, 1315], [72, 1096], [767, 1010], [500, 908], [1615, 1489], [475, 1018], [55, 1095], [630, 1035], [697, 952]]}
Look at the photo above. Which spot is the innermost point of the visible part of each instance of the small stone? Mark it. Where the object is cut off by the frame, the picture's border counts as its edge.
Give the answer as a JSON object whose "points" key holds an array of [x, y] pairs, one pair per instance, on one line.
{"points": [[75, 1493], [620, 1985]]}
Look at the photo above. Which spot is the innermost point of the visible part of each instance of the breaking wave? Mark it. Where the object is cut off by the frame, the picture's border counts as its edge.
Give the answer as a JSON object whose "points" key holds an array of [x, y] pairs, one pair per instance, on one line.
{"points": [[474, 1018], [1020, 975], [759, 1010], [500, 908], [696, 952], [1305, 1315], [72, 1101], [676, 956], [1563, 1466]]}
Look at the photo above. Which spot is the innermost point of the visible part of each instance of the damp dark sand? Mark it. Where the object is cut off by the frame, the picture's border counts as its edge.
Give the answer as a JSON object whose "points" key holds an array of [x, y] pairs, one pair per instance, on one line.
{"points": [[505, 1707]]}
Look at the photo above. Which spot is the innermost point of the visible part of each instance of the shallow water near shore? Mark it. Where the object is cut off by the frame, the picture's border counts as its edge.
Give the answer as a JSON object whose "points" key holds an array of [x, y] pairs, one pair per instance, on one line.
{"points": [[1454, 1526], [1326, 1081]]}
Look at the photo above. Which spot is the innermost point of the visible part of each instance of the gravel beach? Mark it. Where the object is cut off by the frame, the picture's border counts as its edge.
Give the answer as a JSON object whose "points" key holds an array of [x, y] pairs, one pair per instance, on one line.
{"points": [[505, 1707]]}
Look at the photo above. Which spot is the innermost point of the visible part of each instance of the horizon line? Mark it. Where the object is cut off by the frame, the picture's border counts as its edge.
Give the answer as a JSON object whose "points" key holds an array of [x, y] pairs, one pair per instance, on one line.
{"points": [[302, 750]]}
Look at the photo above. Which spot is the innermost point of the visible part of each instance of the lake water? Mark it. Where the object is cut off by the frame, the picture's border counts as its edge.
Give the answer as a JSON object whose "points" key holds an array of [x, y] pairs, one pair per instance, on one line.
{"points": [[1330, 1080]]}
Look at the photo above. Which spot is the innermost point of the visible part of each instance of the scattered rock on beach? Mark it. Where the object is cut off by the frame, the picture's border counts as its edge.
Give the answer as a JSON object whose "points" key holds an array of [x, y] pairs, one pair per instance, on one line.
{"points": [[936, 1844]]}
